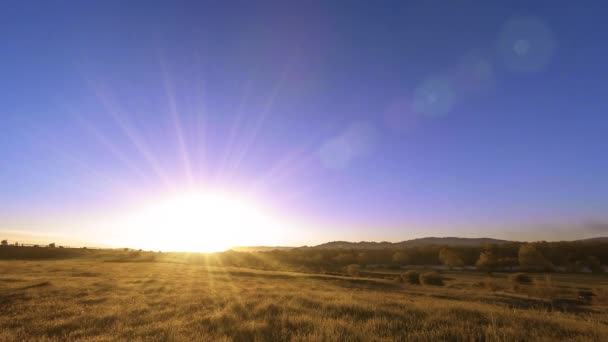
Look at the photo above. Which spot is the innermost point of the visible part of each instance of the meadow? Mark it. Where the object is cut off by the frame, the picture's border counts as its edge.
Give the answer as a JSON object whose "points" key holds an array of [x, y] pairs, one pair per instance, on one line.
{"points": [[101, 297]]}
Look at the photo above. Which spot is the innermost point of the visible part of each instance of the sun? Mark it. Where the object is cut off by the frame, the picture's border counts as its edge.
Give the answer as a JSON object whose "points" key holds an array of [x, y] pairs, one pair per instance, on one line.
{"points": [[200, 222]]}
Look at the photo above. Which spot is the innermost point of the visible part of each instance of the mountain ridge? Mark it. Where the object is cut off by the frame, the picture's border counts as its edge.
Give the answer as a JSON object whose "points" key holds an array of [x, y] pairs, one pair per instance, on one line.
{"points": [[450, 241], [425, 241]]}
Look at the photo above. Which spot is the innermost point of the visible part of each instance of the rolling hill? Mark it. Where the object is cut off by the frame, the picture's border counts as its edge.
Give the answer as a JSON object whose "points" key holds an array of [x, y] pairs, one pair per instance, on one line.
{"points": [[449, 241]]}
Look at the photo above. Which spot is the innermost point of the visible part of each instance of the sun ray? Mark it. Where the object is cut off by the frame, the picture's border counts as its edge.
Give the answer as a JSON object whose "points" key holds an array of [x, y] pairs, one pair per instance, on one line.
{"points": [[65, 154], [228, 152], [108, 145], [258, 124], [177, 125], [114, 111]]}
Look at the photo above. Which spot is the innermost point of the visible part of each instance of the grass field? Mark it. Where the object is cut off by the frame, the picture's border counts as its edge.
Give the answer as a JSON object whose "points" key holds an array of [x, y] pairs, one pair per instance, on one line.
{"points": [[88, 299]]}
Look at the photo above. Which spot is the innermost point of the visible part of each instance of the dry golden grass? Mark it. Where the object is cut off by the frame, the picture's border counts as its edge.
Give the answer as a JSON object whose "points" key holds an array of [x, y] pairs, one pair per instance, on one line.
{"points": [[160, 301]]}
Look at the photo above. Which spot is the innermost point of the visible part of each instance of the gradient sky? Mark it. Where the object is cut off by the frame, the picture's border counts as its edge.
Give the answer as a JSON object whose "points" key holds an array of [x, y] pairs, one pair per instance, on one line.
{"points": [[353, 120]]}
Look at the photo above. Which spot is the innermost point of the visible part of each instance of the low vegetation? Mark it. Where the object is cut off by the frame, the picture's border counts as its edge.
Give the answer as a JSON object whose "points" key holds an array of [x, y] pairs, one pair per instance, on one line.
{"points": [[576, 256], [520, 278], [411, 277], [137, 296], [431, 278]]}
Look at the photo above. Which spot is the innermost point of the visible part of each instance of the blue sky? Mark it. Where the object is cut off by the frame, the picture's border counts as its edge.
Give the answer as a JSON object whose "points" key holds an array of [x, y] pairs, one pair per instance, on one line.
{"points": [[358, 120]]}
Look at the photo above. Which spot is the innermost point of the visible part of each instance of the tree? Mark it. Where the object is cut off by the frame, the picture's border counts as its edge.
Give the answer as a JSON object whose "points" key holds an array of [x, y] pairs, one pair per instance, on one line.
{"points": [[594, 264], [450, 257], [508, 262], [531, 259], [487, 260], [52, 245], [353, 269], [401, 257], [4, 243], [363, 258], [345, 258]]}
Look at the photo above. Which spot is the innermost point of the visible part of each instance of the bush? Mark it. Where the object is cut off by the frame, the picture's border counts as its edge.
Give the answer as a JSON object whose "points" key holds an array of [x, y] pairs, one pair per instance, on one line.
{"points": [[520, 278], [410, 277], [491, 284], [431, 278]]}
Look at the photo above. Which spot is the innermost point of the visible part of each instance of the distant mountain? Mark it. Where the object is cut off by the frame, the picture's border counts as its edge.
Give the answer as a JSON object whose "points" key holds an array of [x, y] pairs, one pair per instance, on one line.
{"points": [[449, 241], [427, 241], [359, 245], [259, 248], [595, 239]]}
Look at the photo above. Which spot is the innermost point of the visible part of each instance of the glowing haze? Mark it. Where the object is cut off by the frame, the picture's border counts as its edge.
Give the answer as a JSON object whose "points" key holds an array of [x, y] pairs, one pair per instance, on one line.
{"points": [[199, 126]]}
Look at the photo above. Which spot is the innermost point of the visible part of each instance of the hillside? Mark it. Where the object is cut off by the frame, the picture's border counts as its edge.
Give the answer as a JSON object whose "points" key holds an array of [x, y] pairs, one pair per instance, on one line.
{"points": [[426, 241], [595, 239], [259, 248], [449, 241]]}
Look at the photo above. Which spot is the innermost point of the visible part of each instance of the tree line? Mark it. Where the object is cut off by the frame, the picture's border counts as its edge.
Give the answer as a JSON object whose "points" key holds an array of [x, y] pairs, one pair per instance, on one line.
{"points": [[536, 256]]}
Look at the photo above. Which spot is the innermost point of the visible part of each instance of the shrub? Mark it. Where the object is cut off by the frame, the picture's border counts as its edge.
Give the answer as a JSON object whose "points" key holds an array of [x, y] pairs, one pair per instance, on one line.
{"points": [[431, 278], [491, 284], [411, 277], [520, 278]]}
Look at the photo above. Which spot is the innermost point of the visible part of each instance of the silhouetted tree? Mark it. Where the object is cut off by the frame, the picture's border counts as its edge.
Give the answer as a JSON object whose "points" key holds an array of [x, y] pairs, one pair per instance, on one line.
{"points": [[531, 259], [4, 243], [362, 258], [490, 259], [401, 258], [52, 245], [450, 257], [487, 260], [594, 264], [345, 258]]}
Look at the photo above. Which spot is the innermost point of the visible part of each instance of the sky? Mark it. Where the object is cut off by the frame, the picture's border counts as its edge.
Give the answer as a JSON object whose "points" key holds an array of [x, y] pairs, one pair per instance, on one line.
{"points": [[343, 120]]}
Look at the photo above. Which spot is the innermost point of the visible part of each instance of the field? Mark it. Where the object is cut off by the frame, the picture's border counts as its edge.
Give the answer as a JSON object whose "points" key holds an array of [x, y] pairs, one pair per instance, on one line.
{"points": [[104, 299]]}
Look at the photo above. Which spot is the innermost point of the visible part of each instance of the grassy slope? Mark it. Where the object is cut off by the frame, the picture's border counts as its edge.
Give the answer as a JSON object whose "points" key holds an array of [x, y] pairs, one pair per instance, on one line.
{"points": [[88, 299]]}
